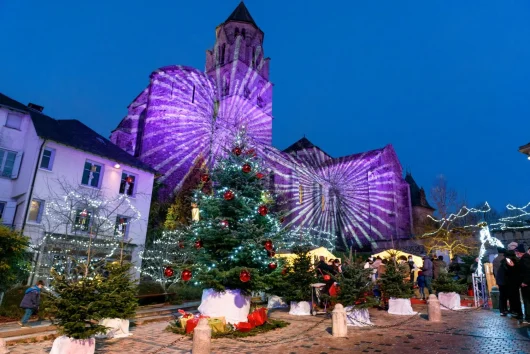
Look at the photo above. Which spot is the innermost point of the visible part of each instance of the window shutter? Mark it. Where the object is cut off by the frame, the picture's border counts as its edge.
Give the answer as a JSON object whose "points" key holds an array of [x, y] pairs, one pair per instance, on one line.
{"points": [[16, 166], [9, 213]]}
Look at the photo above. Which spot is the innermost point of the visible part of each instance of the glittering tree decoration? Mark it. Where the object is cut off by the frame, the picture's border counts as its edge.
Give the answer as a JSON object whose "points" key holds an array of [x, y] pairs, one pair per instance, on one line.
{"points": [[231, 229]]}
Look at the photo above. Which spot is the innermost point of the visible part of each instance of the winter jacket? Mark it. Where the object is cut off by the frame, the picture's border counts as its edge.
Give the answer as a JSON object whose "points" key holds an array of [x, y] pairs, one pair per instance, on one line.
{"points": [[427, 267], [421, 281], [500, 274], [439, 267], [497, 263], [31, 298], [511, 276], [524, 269]]}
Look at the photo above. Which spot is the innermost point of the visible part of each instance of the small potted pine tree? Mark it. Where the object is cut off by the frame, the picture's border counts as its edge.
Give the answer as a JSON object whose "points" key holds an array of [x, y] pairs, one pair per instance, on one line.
{"points": [[448, 290], [396, 289], [297, 280], [355, 289], [119, 296]]}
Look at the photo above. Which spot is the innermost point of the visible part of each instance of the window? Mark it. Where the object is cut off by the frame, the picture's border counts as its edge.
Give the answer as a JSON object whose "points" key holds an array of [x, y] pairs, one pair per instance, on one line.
{"points": [[236, 32], [13, 121], [243, 33], [82, 219], [7, 162], [91, 174], [35, 210], [2, 207], [48, 156], [128, 181], [122, 226]]}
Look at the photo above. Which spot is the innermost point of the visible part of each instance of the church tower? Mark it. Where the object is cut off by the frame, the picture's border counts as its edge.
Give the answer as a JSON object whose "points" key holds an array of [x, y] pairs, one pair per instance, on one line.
{"points": [[241, 71]]}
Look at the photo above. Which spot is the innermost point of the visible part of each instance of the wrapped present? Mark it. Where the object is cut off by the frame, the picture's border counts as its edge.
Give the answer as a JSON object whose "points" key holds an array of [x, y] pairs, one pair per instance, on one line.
{"points": [[258, 317], [192, 323], [217, 324], [244, 326], [184, 317]]}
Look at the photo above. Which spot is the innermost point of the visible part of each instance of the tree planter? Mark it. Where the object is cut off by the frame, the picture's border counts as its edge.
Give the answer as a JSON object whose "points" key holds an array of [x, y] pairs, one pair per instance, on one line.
{"points": [[117, 328], [67, 345], [357, 317], [302, 308], [400, 307], [276, 302], [449, 301], [230, 304]]}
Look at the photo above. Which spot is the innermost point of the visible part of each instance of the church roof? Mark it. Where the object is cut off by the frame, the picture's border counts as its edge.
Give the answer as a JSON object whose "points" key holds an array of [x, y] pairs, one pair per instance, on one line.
{"points": [[417, 194], [241, 14], [302, 144]]}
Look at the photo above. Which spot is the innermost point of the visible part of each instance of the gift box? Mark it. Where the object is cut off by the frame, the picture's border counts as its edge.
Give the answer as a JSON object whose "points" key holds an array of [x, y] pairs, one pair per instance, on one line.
{"points": [[244, 327], [192, 323], [217, 324], [258, 317], [184, 318]]}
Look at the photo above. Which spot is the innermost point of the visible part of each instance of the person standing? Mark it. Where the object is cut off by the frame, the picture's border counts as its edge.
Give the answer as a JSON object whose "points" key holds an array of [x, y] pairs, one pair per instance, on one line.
{"points": [[513, 281], [524, 271], [412, 267], [31, 301], [427, 272], [499, 269], [439, 267]]}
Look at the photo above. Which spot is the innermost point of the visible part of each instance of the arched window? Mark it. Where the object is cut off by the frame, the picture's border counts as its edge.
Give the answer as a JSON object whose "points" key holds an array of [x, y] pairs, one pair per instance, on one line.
{"points": [[236, 32], [243, 32]]}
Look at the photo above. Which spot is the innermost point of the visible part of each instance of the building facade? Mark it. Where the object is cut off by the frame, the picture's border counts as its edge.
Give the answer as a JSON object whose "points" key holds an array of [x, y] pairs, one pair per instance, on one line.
{"points": [[65, 186], [187, 118]]}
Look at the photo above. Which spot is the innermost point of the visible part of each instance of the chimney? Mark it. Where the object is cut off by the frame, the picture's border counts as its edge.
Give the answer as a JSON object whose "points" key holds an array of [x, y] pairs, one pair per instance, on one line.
{"points": [[35, 107]]}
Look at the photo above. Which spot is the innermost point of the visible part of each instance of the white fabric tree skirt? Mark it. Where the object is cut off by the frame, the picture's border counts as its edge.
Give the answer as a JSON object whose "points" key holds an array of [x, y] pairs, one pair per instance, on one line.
{"points": [[450, 301], [357, 317], [66, 345], [302, 308], [400, 307], [229, 304], [117, 328], [276, 302]]}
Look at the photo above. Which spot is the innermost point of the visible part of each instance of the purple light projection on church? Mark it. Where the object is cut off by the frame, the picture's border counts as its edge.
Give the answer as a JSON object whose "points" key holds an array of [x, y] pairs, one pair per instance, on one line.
{"points": [[187, 117]]}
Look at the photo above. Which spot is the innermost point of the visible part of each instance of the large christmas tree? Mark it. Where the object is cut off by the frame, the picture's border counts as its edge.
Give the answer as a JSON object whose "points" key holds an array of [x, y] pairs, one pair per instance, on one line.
{"points": [[237, 230]]}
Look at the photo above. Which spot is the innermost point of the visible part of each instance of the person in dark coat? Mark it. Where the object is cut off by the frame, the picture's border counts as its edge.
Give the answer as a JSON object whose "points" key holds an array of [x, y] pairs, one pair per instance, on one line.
{"points": [[31, 302], [513, 281], [427, 273], [439, 266], [499, 269], [325, 271], [524, 271]]}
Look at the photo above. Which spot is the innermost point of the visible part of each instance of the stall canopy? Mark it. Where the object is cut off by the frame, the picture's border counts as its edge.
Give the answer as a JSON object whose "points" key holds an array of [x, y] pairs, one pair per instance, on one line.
{"points": [[391, 252], [315, 254]]}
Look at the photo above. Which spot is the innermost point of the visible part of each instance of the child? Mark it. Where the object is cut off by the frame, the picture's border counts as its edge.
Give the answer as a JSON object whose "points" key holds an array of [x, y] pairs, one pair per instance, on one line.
{"points": [[31, 301], [421, 284]]}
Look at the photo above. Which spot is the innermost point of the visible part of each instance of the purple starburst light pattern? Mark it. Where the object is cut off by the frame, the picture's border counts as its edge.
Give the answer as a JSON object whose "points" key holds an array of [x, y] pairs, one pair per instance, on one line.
{"points": [[186, 117]]}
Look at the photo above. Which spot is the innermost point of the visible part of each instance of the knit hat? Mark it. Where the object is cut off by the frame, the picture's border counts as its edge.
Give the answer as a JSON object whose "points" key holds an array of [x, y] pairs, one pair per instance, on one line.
{"points": [[520, 248], [512, 246]]}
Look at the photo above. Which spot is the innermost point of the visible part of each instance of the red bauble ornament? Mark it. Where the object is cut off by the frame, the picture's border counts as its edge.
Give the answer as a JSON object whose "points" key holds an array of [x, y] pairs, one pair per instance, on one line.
{"points": [[225, 224], [272, 266], [260, 175], [198, 244], [268, 245], [186, 275], [246, 168], [237, 151], [327, 277], [250, 152], [205, 178], [181, 244], [262, 210], [229, 195], [271, 253], [244, 276], [168, 272]]}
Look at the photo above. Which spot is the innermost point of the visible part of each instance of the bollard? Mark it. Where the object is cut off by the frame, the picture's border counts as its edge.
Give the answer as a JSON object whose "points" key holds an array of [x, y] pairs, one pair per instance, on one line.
{"points": [[433, 308], [494, 295], [339, 326], [202, 338], [3, 346]]}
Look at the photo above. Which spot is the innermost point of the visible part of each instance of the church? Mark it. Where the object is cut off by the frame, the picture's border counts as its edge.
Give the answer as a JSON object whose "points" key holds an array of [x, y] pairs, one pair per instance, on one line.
{"points": [[186, 116]]}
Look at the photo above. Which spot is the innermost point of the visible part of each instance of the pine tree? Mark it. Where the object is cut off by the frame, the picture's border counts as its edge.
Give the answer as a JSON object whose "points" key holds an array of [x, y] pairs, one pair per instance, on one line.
{"points": [[355, 284], [14, 258], [237, 230], [445, 283], [392, 281], [298, 276], [118, 291]]}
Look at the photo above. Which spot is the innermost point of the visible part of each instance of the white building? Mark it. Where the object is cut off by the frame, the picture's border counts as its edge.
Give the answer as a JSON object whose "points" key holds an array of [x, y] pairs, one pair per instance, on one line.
{"points": [[54, 174]]}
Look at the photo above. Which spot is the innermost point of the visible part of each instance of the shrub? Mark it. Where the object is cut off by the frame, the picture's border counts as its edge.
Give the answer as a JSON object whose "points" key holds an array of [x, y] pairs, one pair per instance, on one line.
{"points": [[184, 292], [149, 287], [445, 283]]}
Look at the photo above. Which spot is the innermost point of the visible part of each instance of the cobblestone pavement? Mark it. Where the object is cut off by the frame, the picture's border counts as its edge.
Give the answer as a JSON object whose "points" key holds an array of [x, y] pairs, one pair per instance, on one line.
{"points": [[469, 331]]}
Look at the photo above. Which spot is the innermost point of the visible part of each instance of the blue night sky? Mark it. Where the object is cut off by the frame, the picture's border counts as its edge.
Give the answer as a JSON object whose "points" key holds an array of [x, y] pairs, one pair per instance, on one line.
{"points": [[446, 82]]}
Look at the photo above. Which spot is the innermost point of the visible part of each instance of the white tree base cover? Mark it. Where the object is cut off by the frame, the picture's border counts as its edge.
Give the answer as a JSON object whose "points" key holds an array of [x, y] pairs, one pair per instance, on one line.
{"points": [[400, 307], [117, 328], [276, 302], [450, 301], [302, 308], [67, 345], [357, 317], [229, 304]]}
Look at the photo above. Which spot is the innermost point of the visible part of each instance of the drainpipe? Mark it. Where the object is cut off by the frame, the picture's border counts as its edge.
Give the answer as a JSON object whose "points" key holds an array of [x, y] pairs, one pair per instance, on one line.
{"points": [[26, 212]]}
